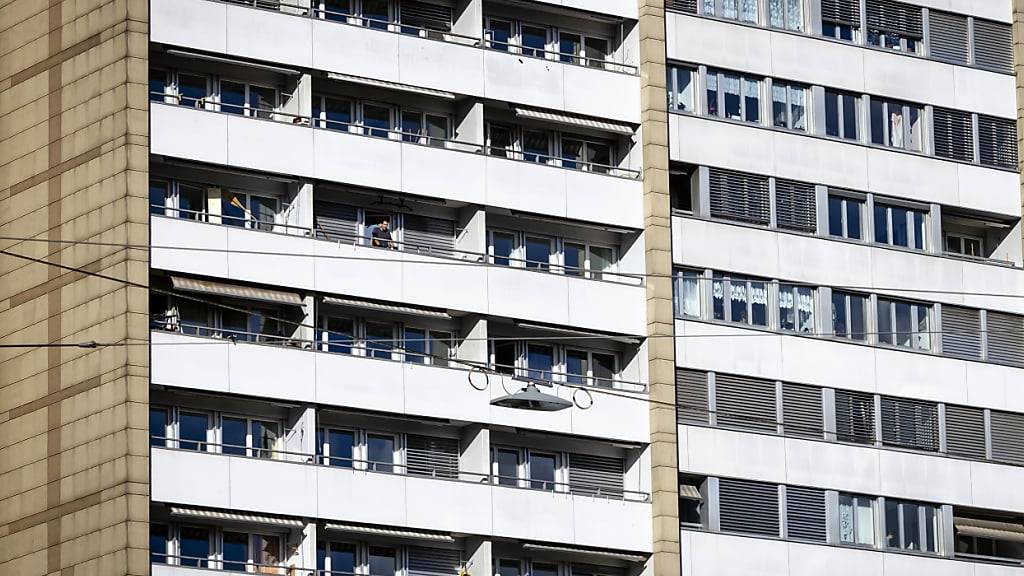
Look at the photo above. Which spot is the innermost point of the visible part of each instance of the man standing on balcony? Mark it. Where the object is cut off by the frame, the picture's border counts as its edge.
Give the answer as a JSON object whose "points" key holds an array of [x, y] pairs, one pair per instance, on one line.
{"points": [[380, 236]]}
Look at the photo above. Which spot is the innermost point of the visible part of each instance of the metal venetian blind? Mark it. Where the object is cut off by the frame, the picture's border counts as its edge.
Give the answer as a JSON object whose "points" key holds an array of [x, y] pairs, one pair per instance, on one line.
{"points": [[896, 17], [596, 475], [801, 411], [993, 45], [430, 456], [947, 36], [997, 142], [748, 507], [961, 332], [691, 396], [841, 11], [425, 234], [682, 5], [743, 402], [795, 206], [910, 423], [965, 431], [739, 196], [1008, 437], [855, 417], [805, 514], [334, 221], [1005, 334], [954, 137], [426, 15], [424, 561]]}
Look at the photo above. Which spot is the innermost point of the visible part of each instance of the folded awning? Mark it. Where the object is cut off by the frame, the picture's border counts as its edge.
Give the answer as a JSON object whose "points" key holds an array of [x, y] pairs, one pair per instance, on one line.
{"points": [[235, 291], [570, 119], [391, 85], [689, 492], [990, 529], [575, 550], [385, 307], [224, 516], [388, 531], [579, 333]]}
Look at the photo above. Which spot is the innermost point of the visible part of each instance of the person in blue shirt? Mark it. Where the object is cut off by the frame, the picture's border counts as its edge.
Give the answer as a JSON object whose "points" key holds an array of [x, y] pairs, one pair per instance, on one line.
{"points": [[380, 236]]}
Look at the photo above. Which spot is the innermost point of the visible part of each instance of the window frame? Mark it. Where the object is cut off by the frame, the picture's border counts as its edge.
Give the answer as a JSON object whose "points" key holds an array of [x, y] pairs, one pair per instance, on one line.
{"points": [[321, 120], [962, 239], [915, 333], [855, 500], [247, 109], [790, 88], [841, 113], [922, 518], [912, 231], [673, 75], [742, 80], [726, 281], [846, 201], [801, 25], [794, 291], [908, 132], [848, 315]]}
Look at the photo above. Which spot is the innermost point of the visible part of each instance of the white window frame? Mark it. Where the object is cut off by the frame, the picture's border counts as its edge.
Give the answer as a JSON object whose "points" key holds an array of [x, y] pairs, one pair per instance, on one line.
{"points": [[848, 311], [586, 142], [912, 231], [718, 8], [325, 445], [845, 203], [251, 450], [321, 120], [794, 290], [247, 109], [582, 59], [961, 238], [858, 113], [212, 545], [397, 452], [201, 104], [211, 432], [790, 88], [726, 283], [905, 108], [365, 130], [801, 25], [674, 73], [589, 379], [855, 500], [742, 78], [921, 523], [250, 222], [915, 331]]}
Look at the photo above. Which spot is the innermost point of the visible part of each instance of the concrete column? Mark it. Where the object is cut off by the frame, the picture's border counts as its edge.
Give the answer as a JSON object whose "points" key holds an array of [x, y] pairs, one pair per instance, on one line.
{"points": [[479, 558], [475, 452], [472, 238]]}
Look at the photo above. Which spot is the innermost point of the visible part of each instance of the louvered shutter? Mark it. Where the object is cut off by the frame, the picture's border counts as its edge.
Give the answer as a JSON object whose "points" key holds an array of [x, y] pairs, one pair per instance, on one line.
{"points": [[965, 431], [691, 396], [801, 411], [682, 5], [805, 514], [426, 15], [795, 206], [910, 423], [337, 222], [895, 17], [947, 36], [1008, 437], [739, 196], [855, 417], [997, 142], [596, 475], [841, 12], [430, 456], [746, 403], [993, 45], [748, 507], [961, 332], [424, 561], [1005, 334], [428, 235], [954, 137]]}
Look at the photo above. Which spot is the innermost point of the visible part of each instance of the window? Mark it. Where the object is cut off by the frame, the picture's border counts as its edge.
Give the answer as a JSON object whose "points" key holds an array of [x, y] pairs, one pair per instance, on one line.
{"points": [[536, 146], [748, 507], [896, 125], [910, 423], [336, 557], [500, 140], [988, 537], [427, 346], [690, 503], [533, 40], [336, 334], [747, 300], [911, 526], [333, 113], [379, 340], [899, 226], [855, 417], [503, 248], [589, 367], [948, 37], [845, 216], [796, 308], [856, 520], [739, 196], [248, 210], [504, 357], [376, 120], [540, 361], [157, 85], [681, 80], [194, 546], [840, 19], [508, 567], [849, 315], [249, 437], [192, 90], [193, 430], [382, 561], [247, 99], [796, 206], [993, 45], [997, 142], [424, 128], [159, 196], [842, 114], [894, 25], [965, 245], [376, 13], [733, 96], [336, 447], [505, 466], [542, 470], [158, 426], [789, 104], [588, 155], [380, 452], [742, 10], [787, 14], [235, 550], [336, 10], [580, 49], [905, 324], [158, 536], [687, 293], [538, 253], [543, 569]]}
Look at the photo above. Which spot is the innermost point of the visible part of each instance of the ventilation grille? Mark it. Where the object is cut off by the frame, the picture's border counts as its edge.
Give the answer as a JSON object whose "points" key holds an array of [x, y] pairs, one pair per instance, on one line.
{"points": [[1005, 334], [739, 196], [747, 403], [954, 137], [895, 17], [595, 475], [855, 417], [429, 235], [993, 45], [337, 222], [1008, 437], [682, 5], [802, 411], [434, 457], [425, 561], [748, 507], [965, 431], [691, 396], [805, 513], [795, 206], [910, 423], [426, 15], [947, 36], [841, 12], [961, 332], [997, 142]]}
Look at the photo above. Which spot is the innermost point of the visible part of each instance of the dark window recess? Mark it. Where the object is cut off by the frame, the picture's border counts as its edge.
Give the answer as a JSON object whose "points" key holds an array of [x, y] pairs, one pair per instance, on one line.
{"points": [[691, 396], [910, 423], [894, 17], [426, 15], [841, 12], [947, 36], [748, 507], [596, 475], [993, 45], [802, 411], [961, 332], [855, 417], [954, 136], [997, 142], [739, 196], [1008, 437], [335, 221], [965, 431], [430, 235], [795, 206], [1005, 334], [424, 561], [682, 5], [430, 456], [746, 403], [805, 514]]}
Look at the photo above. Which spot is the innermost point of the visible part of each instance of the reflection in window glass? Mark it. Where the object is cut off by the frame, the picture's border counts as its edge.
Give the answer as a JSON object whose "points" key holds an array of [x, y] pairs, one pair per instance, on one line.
{"points": [[192, 431], [604, 369], [711, 96], [502, 245], [377, 120], [339, 447], [383, 561], [538, 253], [157, 427], [540, 360], [506, 463], [380, 452], [415, 345], [498, 34], [233, 435], [379, 340], [158, 535], [856, 520], [193, 546], [235, 550], [535, 146], [574, 256], [534, 40], [264, 438], [576, 366], [542, 471]]}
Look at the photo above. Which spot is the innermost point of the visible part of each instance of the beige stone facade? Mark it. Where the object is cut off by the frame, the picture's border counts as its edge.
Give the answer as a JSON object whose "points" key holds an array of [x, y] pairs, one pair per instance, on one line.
{"points": [[73, 166]]}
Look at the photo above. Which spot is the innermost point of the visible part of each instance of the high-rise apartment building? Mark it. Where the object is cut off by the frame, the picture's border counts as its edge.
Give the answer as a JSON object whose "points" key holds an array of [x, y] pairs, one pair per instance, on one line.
{"points": [[510, 287]]}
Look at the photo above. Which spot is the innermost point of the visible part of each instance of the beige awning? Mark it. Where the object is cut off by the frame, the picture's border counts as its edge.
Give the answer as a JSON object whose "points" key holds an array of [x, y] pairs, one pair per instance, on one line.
{"points": [[223, 516], [391, 85], [990, 529], [235, 291], [570, 332], [570, 119], [689, 492], [616, 554], [392, 532], [385, 307]]}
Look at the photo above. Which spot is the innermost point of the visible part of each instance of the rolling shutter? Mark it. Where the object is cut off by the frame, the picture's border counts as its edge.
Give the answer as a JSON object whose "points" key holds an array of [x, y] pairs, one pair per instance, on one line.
{"points": [[841, 12], [1008, 437], [1005, 334], [947, 36], [997, 142], [337, 222], [795, 206], [745, 403], [434, 457], [426, 15], [682, 5], [429, 235], [748, 507], [691, 396], [855, 417], [801, 411], [961, 332], [739, 196], [965, 431], [894, 17], [993, 45], [424, 561], [954, 135], [805, 514], [596, 475], [910, 423]]}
